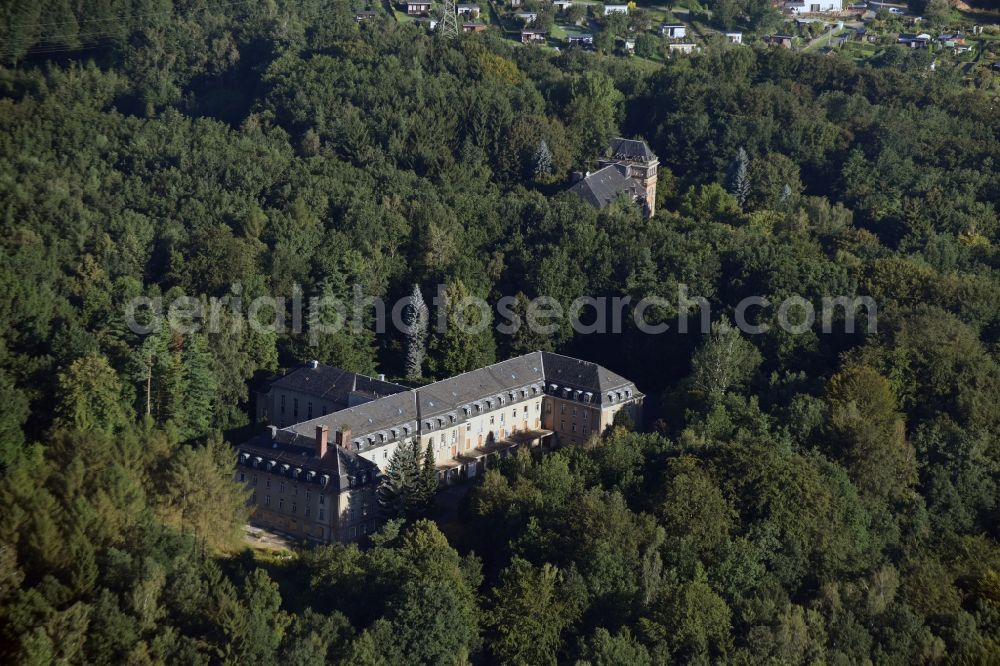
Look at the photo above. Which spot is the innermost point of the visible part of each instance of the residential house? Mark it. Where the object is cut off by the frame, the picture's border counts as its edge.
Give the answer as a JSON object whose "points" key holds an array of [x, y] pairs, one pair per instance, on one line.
{"points": [[683, 48], [673, 30], [784, 41], [317, 479], [417, 7], [526, 18], [533, 36], [615, 9], [474, 26], [579, 38], [921, 41], [734, 37], [795, 7], [562, 5], [365, 15], [468, 11]]}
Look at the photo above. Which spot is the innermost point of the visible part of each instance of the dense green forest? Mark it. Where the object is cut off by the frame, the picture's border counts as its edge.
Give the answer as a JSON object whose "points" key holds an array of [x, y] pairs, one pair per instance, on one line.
{"points": [[831, 498]]}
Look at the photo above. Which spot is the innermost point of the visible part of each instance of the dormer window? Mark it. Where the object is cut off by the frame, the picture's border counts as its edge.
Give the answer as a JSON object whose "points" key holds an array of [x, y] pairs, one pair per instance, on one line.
{"points": [[628, 393], [395, 433]]}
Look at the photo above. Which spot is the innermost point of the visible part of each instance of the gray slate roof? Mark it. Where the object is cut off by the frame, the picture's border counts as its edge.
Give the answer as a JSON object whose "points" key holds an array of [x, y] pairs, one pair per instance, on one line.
{"points": [[298, 453], [631, 149], [602, 187], [405, 414], [334, 384], [569, 372]]}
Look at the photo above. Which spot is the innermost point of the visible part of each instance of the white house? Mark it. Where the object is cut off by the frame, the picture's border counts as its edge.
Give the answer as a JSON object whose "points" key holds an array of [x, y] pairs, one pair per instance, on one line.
{"points": [[615, 9], [820, 6], [527, 17], [673, 30], [735, 37], [682, 48], [562, 5]]}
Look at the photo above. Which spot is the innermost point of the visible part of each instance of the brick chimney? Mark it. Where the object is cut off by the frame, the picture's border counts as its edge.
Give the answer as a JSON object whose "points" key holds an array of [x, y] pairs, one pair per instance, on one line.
{"points": [[322, 433], [343, 436]]}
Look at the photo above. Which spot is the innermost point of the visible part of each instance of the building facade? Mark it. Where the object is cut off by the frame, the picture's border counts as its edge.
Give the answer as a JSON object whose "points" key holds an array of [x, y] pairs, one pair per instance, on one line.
{"points": [[316, 479], [628, 168]]}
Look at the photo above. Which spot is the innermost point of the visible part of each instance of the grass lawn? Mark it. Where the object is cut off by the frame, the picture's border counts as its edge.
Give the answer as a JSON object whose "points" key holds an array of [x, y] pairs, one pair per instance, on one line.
{"points": [[557, 32]]}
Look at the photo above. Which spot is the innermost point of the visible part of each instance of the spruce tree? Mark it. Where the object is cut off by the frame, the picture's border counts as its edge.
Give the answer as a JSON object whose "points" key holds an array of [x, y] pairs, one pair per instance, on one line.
{"points": [[739, 178], [543, 162], [428, 480], [416, 338], [392, 491], [199, 387]]}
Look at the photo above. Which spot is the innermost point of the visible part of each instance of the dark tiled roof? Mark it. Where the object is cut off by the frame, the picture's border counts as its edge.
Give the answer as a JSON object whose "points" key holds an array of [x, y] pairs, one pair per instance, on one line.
{"points": [[299, 454], [405, 414], [602, 187], [631, 149], [493, 381], [368, 419], [333, 383], [573, 373]]}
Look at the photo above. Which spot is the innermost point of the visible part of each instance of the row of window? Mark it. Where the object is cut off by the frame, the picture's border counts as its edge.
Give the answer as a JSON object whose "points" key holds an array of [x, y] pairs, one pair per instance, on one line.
{"points": [[281, 487], [294, 507], [295, 408]]}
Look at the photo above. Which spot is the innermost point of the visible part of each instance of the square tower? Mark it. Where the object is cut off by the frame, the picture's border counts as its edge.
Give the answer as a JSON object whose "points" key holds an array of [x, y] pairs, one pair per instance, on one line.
{"points": [[638, 162]]}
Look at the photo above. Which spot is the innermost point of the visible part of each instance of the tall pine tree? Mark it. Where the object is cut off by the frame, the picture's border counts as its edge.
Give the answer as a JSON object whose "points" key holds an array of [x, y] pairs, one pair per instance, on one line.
{"points": [[416, 338]]}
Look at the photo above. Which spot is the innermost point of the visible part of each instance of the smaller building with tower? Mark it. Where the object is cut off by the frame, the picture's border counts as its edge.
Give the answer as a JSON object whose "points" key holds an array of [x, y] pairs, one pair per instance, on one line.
{"points": [[627, 169]]}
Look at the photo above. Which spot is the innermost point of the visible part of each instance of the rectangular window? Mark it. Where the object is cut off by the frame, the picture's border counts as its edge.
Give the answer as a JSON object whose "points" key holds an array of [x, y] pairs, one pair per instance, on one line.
{"points": [[309, 411], [294, 507], [307, 512], [243, 477], [584, 430], [253, 479], [308, 495], [282, 403], [281, 487], [267, 500], [525, 409], [562, 425], [322, 499], [267, 483], [574, 427], [281, 505], [295, 407], [321, 514], [501, 417], [491, 419], [574, 411]]}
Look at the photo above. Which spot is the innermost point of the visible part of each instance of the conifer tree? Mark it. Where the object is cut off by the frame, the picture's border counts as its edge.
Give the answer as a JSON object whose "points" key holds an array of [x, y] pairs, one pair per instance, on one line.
{"points": [[739, 178], [416, 338], [199, 387], [543, 161], [428, 483]]}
